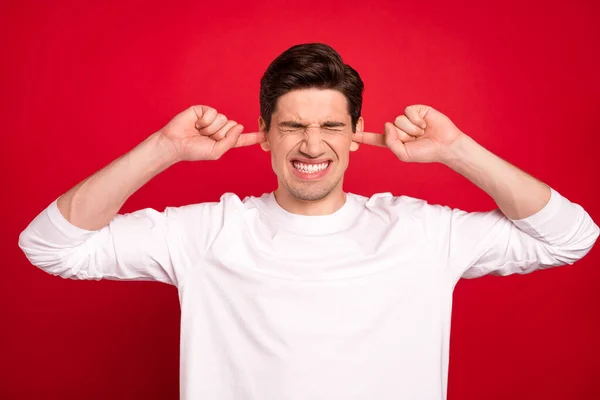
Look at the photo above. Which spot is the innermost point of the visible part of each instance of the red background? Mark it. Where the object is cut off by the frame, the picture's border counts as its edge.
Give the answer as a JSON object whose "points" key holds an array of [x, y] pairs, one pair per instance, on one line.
{"points": [[82, 84]]}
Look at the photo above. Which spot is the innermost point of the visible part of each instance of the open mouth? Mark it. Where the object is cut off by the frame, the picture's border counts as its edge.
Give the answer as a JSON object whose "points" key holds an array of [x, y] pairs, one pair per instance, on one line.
{"points": [[310, 170]]}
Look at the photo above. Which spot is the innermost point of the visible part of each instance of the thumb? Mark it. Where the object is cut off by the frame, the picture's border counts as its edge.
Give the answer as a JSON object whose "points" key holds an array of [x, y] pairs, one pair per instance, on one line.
{"points": [[420, 151], [229, 141], [393, 142]]}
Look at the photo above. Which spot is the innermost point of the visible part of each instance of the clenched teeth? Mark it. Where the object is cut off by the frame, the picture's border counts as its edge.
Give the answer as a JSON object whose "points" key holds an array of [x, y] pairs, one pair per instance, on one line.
{"points": [[310, 168]]}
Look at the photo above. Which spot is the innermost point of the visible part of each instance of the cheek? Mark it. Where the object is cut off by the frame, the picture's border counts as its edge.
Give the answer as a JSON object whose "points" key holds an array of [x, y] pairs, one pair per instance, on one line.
{"points": [[340, 145], [282, 147], [279, 156]]}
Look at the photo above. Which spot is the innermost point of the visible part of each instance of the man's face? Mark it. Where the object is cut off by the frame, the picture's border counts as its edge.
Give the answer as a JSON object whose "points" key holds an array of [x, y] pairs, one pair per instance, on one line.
{"points": [[310, 141]]}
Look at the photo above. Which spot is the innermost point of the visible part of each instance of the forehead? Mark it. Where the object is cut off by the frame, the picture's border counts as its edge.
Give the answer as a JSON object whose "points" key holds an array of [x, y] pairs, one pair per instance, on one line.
{"points": [[312, 105]]}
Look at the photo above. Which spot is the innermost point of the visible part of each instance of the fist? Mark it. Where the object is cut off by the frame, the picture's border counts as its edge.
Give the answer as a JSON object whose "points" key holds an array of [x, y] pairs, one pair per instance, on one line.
{"points": [[201, 133], [422, 134]]}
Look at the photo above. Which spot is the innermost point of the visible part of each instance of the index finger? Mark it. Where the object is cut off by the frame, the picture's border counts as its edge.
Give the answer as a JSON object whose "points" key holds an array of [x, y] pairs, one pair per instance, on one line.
{"points": [[249, 139], [373, 139]]}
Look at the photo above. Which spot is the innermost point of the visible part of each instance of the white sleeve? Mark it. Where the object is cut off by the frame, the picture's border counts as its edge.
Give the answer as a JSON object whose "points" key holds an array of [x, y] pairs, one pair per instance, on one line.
{"points": [[132, 246], [480, 243]]}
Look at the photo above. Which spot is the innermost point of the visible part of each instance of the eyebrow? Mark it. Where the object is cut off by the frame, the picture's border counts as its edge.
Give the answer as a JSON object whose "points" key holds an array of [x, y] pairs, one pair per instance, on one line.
{"points": [[295, 124]]}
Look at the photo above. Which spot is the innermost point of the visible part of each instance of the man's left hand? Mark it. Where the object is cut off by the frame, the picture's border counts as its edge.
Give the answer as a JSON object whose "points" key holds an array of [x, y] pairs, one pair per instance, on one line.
{"points": [[422, 135]]}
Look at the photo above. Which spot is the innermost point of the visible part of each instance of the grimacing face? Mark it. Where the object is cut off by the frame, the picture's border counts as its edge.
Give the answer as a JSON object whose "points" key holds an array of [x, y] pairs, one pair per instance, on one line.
{"points": [[310, 140]]}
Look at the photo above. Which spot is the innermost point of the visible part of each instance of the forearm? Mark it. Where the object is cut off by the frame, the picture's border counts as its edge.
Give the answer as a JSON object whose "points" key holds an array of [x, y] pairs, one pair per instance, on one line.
{"points": [[95, 201], [517, 194]]}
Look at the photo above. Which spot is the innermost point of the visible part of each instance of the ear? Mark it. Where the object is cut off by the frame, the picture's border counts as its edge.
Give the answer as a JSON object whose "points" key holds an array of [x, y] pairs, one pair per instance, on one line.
{"points": [[360, 125], [262, 126]]}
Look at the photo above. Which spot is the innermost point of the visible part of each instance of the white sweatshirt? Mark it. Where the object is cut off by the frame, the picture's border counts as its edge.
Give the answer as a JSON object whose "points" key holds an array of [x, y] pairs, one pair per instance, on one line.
{"points": [[278, 306]]}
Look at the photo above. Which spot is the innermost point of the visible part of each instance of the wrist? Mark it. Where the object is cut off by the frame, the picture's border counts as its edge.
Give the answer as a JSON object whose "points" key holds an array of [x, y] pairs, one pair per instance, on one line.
{"points": [[165, 150], [459, 150]]}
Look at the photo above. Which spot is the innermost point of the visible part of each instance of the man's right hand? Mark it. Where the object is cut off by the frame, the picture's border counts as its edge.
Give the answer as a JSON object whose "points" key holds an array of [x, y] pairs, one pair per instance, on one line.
{"points": [[201, 133]]}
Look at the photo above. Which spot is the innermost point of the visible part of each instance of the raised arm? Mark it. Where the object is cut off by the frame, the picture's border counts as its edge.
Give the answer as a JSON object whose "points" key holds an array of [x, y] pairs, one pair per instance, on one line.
{"points": [[535, 226], [82, 236], [198, 133]]}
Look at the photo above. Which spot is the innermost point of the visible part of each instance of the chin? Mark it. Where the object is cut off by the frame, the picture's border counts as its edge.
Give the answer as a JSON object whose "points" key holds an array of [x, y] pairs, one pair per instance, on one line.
{"points": [[311, 192], [309, 195]]}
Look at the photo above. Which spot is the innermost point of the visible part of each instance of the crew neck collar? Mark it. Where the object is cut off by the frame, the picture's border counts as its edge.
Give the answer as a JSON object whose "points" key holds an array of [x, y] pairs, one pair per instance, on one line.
{"points": [[311, 224]]}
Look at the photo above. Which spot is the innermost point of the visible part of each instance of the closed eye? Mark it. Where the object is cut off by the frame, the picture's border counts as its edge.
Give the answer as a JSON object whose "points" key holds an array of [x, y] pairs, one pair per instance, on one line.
{"points": [[338, 126], [290, 125], [295, 124]]}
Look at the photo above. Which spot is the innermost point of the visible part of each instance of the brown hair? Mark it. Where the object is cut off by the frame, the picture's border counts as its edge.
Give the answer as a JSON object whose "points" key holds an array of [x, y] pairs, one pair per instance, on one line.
{"points": [[311, 65]]}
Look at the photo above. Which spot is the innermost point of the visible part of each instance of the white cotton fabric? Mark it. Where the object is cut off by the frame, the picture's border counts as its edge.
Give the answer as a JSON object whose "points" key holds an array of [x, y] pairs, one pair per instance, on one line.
{"points": [[278, 306]]}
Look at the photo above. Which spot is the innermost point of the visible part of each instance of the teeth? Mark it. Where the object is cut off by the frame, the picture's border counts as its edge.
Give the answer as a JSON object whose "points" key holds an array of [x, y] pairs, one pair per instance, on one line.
{"points": [[310, 168]]}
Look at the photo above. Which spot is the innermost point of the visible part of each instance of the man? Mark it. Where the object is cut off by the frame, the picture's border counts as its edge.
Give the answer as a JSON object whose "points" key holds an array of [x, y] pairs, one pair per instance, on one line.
{"points": [[310, 292]]}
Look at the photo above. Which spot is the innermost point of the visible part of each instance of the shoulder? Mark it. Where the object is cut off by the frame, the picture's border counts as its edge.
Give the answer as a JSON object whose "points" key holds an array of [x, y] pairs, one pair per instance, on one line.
{"points": [[228, 204], [387, 205]]}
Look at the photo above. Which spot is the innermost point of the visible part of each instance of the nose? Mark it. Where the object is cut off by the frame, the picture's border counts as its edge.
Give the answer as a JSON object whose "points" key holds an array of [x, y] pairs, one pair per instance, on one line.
{"points": [[312, 144]]}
